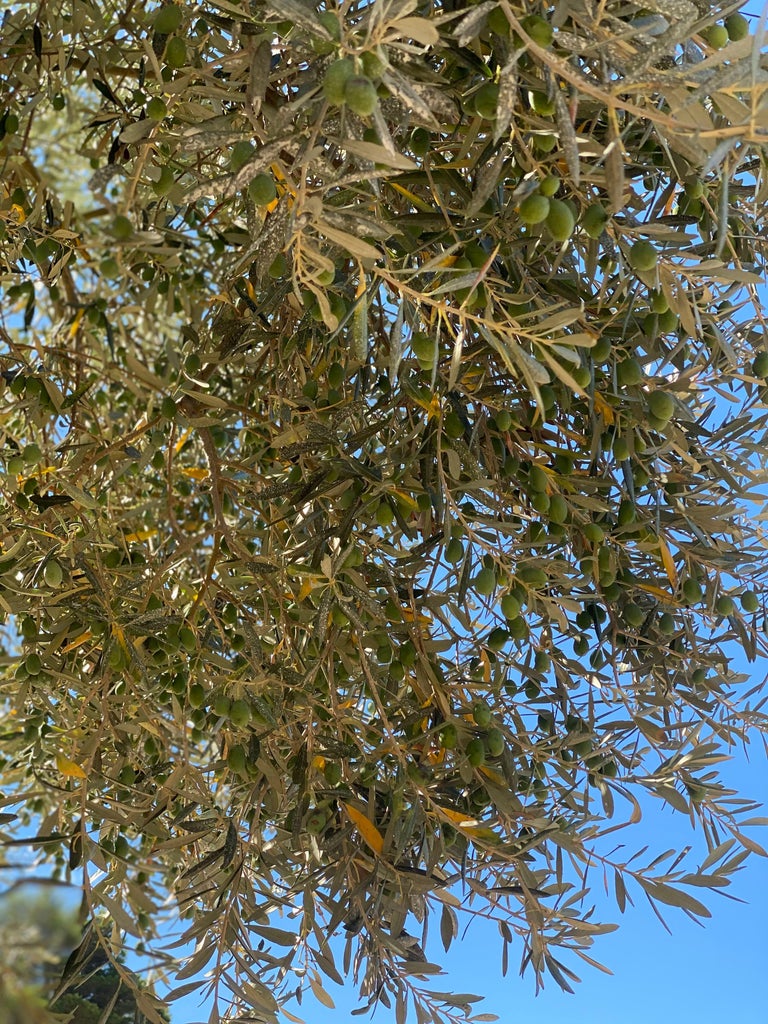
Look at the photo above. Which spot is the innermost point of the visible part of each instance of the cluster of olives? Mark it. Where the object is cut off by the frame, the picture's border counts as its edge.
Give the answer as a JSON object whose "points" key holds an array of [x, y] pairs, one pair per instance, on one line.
{"points": [[478, 744], [734, 28]]}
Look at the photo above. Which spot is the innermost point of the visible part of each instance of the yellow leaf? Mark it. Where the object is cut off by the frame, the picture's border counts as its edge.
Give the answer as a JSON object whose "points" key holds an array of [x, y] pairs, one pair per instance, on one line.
{"points": [[69, 768], [305, 590], [483, 833], [605, 410], [182, 441], [494, 776], [668, 562], [457, 817], [409, 616], [420, 204], [195, 472], [74, 644], [76, 322], [133, 538], [366, 828], [656, 591]]}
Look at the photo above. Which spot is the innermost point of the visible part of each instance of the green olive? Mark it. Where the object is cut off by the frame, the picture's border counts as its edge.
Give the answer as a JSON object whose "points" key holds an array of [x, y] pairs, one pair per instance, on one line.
{"points": [[475, 752], [643, 256], [534, 209], [485, 582], [167, 19], [360, 95], [486, 99]]}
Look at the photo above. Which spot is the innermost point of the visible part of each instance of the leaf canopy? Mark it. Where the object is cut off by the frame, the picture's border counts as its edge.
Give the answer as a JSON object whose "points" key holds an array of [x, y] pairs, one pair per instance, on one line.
{"points": [[383, 430]]}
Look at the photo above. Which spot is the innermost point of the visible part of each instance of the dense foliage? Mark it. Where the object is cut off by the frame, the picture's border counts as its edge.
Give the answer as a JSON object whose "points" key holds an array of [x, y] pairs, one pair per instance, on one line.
{"points": [[382, 432]]}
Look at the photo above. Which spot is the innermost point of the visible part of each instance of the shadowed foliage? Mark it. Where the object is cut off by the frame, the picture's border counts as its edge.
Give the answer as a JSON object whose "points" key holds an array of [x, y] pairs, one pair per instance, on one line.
{"points": [[37, 936], [382, 427]]}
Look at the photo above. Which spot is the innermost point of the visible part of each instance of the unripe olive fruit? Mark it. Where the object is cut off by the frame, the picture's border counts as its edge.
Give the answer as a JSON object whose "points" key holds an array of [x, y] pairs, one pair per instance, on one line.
{"points": [[560, 220], [541, 104], [240, 713], [176, 52], [360, 95], [601, 351], [538, 29], [581, 646], [692, 591], [668, 322], [497, 638], [629, 372], [261, 189], [424, 347], [336, 78], [534, 209], [157, 109], [667, 624], [558, 509], [716, 36], [167, 19], [420, 141], [658, 301], [373, 63], [633, 615], [485, 582], [279, 268], [548, 186], [476, 753], [510, 606], [760, 365], [164, 183], [502, 418], [498, 22], [661, 405], [486, 98], [593, 532], [481, 714], [196, 695], [53, 574], [316, 822], [236, 759], [593, 220], [495, 742], [384, 514], [620, 449], [454, 551], [33, 664], [643, 256], [545, 142], [121, 228], [448, 737], [330, 22], [242, 152], [750, 602], [168, 408], [453, 425], [737, 27], [222, 705], [694, 187]]}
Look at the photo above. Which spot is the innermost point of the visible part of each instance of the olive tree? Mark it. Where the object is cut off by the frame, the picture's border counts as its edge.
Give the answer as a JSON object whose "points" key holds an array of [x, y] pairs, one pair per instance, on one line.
{"points": [[382, 432]]}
